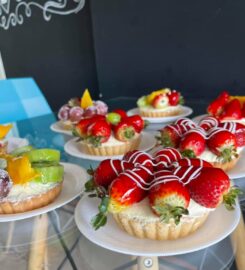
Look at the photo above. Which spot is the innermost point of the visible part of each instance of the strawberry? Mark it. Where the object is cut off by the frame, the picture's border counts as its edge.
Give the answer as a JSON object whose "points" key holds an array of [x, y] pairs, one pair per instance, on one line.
{"points": [[192, 143], [184, 125], [137, 122], [98, 132], [121, 112], [209, 122], [195, 162], [80, 129], [169, 198], [124, 131], [216, 107], [210, 187], [174, 98], [160, 101], [169, 136], [243, 110], [223, 144], [128, 188], [163, 158], [232, 111], [139, 158]]}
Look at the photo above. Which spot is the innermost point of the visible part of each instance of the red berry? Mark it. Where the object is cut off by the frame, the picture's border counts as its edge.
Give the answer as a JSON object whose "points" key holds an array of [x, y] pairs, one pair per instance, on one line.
{"points": [[174, 98], [124, 131], [232, 110], [170, 136], [137, 122], [139, 158], [98, 132], [165, 157]]}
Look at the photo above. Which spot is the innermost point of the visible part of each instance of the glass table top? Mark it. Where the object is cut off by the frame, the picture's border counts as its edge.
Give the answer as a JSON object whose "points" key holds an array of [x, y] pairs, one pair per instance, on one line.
{"points": [[52, 240]]}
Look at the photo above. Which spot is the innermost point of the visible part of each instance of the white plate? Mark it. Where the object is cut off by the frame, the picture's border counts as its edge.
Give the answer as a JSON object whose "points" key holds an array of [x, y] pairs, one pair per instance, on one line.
{"points": [[74, 180], [198, 118], [57, 127], [239, 170], [148, 141], [185, 112], [219, 224]]}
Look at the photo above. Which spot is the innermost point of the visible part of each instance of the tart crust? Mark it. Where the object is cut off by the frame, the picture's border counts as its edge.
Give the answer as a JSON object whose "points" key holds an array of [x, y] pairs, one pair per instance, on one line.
{"points": [[35, 202], [157, 230], [155, 113], [111, 150]]}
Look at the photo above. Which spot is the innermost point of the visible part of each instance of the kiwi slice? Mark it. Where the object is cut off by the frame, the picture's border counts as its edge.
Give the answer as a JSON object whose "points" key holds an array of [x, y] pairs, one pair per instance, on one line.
{"points": [[43, 155], [21, 150], [49, 174]]}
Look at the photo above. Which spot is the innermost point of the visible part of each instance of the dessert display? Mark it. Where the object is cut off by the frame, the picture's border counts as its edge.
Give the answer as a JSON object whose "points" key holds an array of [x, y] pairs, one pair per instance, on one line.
{"points": [[161, 196], [112, 134], [4, 129], [228, 108], [211, 140], [80, 108], [29, 179], [160, 103]]}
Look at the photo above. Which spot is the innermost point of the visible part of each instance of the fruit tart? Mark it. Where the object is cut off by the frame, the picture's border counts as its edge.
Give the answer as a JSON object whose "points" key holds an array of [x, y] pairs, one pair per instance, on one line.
{"points": [[29, 179], [4, 129], [113, 134], [228, 108], [160, 103], [211, 140], [80, 108], [159, 197]]}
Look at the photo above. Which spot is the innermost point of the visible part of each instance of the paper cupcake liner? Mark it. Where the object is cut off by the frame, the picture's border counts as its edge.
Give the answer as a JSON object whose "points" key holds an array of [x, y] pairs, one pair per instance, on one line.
{"points": [[227, 165], [154, 113], [8, 207], [157, 230], [111, 150]]}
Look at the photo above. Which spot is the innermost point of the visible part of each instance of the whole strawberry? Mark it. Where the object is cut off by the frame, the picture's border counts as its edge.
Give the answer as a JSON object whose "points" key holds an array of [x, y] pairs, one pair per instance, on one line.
{"points": [[165, 157], [124, 131], [237, 129], [169, 198], [139, 158], [81, 128], [223, 144], [192, 144], [160, 101], [232, 111], [137, 122], [169, 136], [195, 162], [175, 98], [98, 133], [211, 187]]}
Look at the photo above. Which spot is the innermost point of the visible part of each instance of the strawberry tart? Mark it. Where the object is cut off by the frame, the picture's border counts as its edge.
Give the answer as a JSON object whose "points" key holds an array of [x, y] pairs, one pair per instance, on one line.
{"points": [[159, 197], [211, 140], [112, 134], [160, 103], [228, 108], [80, 108], [29, 179]]}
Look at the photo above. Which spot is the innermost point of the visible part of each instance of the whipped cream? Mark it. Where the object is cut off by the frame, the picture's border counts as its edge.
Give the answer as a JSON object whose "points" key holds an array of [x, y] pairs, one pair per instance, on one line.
{"points": [[168, 108], [27, 191], [143, 211]]}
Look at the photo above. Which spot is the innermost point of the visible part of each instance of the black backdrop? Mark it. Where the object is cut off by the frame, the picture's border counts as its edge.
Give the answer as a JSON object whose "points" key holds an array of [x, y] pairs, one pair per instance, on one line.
{"points": [[129, 47]]}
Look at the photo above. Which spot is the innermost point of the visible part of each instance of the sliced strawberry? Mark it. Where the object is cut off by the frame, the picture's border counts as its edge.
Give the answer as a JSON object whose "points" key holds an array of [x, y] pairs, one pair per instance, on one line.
{"points": [[124, 131], [98, 132], [195, 162], [223, 144], [209, 187], [192, 144], [121, 112], [160, 101], [169, 136], [209, 122], [169, 198], [137, 122], [139, 157], [232, 111], [163, 158], [175, 98]]}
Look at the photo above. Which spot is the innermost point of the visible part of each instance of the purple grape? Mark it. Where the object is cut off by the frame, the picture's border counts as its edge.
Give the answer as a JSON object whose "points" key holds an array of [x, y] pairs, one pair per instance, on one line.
{"points": [[76, 114], [90, 111], [63, 113], [101, 107], [5, 184]]}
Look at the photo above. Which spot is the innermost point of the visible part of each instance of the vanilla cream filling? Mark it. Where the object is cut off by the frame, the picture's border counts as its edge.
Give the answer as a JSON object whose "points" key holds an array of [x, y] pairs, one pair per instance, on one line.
{"points": [[27, 191], [167, 108], [142, 211], [209, 156]]}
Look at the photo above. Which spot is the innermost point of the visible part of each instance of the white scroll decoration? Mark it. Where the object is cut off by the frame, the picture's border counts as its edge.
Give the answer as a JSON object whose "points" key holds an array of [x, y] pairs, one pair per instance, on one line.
{"points": [[13, 12]]}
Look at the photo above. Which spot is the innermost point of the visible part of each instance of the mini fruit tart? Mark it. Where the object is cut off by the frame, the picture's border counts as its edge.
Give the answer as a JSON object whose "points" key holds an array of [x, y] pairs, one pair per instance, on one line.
{"points": [[113, 134], [80, 108], [4, 129], [160, 103], [211, 140], [228, 108], [159, 197], [29, 179]]}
